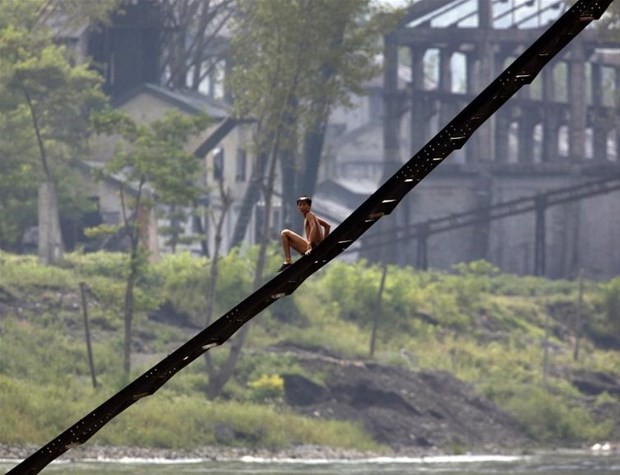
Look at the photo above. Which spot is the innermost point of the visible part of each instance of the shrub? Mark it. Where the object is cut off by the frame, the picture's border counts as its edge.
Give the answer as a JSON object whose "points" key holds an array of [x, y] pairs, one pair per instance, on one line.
{"points": [[170, 421], [612, 304], [183, 281], [101, 264], [267, 387], [549, 418], [355, 287], [252, 366]]}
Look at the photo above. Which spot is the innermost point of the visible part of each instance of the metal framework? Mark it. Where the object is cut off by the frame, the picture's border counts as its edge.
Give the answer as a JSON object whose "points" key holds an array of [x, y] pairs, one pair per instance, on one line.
{"points": [[522, 71], [538, 204]]}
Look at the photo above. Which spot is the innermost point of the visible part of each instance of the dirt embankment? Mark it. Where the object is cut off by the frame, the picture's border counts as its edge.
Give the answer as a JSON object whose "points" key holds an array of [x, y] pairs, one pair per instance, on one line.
{"points": [[403, 409]]}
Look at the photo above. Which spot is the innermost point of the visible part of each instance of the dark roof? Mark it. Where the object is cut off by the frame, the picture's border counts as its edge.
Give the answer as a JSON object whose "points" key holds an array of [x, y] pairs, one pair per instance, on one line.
{"points": [[190, 101]]}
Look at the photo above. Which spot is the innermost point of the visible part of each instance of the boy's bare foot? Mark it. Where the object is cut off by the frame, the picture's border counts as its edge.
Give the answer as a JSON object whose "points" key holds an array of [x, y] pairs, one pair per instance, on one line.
{"points": [[284, 266]]}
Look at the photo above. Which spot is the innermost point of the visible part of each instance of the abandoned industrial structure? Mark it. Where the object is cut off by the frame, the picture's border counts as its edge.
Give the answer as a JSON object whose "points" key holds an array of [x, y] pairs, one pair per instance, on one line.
{"points": [[560, 133]]}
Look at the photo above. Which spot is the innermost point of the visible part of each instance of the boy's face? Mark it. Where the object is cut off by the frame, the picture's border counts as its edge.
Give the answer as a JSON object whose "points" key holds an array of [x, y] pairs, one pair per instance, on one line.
{"points": [[303, 207]]}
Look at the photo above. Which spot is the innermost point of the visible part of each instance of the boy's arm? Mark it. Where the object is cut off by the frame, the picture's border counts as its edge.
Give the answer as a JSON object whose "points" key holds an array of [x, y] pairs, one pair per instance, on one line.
{"points": [[325, 225], [314, 233]]}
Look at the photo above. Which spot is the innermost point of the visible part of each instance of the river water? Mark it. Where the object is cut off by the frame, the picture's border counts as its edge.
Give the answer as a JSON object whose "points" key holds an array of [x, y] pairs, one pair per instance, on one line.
{"points": [[548, 464]]}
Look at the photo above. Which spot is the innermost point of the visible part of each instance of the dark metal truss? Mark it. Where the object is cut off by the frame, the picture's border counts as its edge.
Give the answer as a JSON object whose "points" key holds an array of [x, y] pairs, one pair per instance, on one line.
{"points": [[522, 71]]}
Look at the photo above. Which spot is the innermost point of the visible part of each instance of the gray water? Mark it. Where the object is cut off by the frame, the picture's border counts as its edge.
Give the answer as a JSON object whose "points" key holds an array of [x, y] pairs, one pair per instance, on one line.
{"points": [[548, 464]]}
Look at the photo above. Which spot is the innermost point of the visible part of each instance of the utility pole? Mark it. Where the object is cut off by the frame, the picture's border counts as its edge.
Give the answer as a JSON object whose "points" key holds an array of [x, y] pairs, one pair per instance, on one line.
{"points": [[578, 318], [91, 362], [378, 311], [546, 347]]}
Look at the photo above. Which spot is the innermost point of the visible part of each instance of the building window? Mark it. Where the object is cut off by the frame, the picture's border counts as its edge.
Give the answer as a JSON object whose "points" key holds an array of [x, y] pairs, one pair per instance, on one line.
{"points": [[241, 165], [218, 164]]}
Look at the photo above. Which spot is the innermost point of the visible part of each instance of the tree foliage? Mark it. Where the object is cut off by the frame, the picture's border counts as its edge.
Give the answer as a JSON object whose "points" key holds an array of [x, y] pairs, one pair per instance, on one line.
{"points": [[284, 48], [154, 153], [150, 163], [18, 184], [294, 61], [194, 45], [45, 98]]}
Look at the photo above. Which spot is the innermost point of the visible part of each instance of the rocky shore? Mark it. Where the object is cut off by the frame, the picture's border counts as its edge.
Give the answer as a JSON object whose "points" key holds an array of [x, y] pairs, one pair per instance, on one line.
{"points": [[214, 453]]}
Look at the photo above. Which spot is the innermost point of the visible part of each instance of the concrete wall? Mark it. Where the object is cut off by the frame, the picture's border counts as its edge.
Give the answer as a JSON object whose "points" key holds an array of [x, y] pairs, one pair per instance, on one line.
{"points": [[582, 234]]}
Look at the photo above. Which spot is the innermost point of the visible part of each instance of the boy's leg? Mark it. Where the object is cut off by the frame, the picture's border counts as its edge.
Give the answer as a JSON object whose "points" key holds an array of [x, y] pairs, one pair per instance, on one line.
{"points": [[294, 240]]}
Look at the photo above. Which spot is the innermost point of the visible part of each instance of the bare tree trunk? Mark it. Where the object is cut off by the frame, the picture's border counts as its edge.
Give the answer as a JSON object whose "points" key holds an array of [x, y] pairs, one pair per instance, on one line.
{"points": [[315, 135], [312, 149], [252, 191], [216, 385], [249, 200], [193, 26], [134, 237], [289, 171], [214, 272], [128, 307], [289, 167]]}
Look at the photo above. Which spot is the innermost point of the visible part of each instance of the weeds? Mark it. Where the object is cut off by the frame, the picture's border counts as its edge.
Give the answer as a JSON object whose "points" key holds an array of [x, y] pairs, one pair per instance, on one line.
{"points": [[485, 327]]}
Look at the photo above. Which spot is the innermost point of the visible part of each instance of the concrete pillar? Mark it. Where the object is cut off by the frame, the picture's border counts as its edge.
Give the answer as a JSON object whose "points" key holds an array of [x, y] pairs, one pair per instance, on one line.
{"points": [[391, 141], [502, 119], [551, 120], [485, 133], [391, 123], [472, 149], [485, 14], [577, 101], [599, 120], [147, 226], [419, 124], [51, 247], [446, 109], [525, 140], [540, 259], [422, 247], [617, 105]]}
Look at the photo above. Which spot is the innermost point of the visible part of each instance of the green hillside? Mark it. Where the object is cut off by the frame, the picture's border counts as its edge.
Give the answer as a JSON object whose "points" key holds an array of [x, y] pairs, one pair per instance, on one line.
{"points": [[486, 328]]}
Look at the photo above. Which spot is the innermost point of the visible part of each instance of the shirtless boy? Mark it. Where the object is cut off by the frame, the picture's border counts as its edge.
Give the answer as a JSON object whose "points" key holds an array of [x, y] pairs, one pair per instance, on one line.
{"points": [[316, 230]]}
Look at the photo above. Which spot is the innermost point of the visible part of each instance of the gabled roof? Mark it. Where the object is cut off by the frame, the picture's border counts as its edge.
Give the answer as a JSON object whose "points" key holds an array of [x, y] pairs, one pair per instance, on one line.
{"points": [[357, 186], [353, 135], [116, 180], [190, 101], [65, 28]]}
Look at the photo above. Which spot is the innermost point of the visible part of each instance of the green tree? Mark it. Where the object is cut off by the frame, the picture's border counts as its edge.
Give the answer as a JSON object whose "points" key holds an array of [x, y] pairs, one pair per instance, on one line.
{"points": [[42, 86], [153, 167], [18, 184], [294, 60]]}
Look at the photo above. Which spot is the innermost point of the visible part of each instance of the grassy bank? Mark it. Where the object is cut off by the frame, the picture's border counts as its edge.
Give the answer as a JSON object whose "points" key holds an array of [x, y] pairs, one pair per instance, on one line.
{"points": [[486, 328]]}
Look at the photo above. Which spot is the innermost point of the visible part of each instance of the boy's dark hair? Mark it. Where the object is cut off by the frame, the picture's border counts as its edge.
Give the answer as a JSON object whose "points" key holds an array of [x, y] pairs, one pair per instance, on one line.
{"points": [[304, 199]]}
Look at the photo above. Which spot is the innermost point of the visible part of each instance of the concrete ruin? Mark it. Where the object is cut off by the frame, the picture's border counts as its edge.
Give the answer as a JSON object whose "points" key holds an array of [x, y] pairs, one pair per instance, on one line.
{"points": [[560, 132]]}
